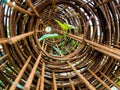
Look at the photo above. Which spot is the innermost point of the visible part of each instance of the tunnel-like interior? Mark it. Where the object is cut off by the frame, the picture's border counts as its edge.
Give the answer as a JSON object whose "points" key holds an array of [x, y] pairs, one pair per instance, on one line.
{"points": [[59, 44]]}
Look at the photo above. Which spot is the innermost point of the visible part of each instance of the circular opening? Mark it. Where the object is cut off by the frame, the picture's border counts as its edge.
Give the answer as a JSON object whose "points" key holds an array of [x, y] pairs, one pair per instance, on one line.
{"points": [[48, 29]]}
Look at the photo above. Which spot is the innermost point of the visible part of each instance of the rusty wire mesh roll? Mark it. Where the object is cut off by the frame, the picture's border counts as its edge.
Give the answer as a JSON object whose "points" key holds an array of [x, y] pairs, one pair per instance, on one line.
{"points": [[86, 57]]}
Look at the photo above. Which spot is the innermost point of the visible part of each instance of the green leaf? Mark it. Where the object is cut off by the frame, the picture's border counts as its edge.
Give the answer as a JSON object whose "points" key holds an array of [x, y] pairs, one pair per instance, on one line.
{"points": [[73, 42], [61, 25], [49, 36], [65, 26], [56, 49], [117, 81]]}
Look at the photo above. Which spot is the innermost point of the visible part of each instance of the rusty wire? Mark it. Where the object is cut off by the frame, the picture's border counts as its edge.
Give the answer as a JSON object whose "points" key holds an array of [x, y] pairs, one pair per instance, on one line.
{"points": [[89, 57]]}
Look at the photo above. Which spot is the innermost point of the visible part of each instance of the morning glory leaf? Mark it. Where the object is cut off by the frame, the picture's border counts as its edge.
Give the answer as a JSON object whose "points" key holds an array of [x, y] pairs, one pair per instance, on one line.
{"points": [[65, 26], [61, 25], [48, 36], [71, 27]]}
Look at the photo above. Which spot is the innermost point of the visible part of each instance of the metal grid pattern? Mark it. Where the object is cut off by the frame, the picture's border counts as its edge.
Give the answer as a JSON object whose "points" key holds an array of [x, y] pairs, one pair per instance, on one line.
{"points": [[85, 57]]}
